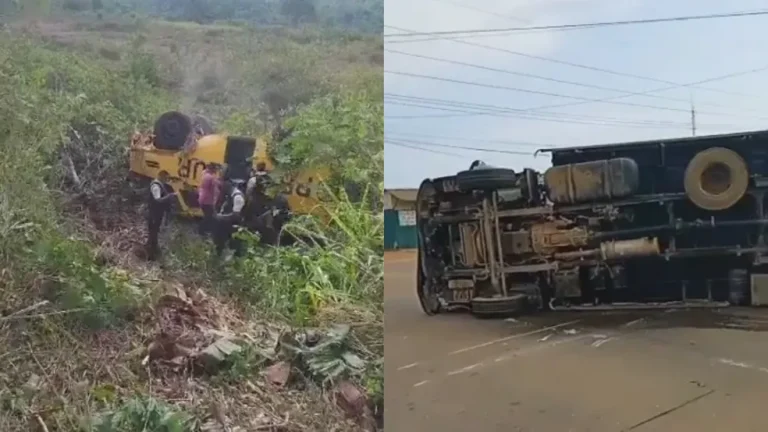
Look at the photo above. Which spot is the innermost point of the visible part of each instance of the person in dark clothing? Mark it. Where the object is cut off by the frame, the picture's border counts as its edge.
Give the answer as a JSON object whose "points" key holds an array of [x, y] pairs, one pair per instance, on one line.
{"points": [[229, 218], [160, 196], [207, 197]]}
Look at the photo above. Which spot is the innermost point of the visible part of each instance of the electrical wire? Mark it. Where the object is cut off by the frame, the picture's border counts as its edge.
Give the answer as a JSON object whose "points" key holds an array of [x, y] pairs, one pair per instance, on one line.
{"points": [[462, 104], [478, 149], [528, 116], [424, 149], [465, 139], [537, 92], [670, 85], [511, 30], [561, 81], [462, 109]]}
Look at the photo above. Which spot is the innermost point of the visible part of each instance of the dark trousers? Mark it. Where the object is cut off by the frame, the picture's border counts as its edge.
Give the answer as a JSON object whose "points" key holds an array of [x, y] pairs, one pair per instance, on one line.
{"points": [[154, 223], [223, 237], [207, 224]]}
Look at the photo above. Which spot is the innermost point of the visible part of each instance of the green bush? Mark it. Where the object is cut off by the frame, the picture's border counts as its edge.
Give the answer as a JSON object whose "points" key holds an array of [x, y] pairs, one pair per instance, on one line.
{"points": [[58, 108], [145, 414], [309, 282]]}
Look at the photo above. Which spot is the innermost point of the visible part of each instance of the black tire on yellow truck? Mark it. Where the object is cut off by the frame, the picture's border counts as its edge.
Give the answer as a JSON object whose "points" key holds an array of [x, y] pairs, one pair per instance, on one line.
{"points": [[716, 179], [172, 130]]}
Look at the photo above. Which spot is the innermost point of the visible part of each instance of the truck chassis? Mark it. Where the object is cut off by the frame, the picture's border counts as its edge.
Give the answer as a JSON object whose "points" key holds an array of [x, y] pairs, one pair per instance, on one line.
{"points": [[656, 224]]}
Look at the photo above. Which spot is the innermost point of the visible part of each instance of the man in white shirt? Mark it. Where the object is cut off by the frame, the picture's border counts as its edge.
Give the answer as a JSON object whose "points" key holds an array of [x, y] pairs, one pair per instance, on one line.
{"points": [[158, 207]]}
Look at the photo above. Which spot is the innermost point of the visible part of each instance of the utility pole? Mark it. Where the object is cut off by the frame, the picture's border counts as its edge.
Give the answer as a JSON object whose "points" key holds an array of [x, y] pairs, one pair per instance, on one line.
{"points": [[693, 118]]}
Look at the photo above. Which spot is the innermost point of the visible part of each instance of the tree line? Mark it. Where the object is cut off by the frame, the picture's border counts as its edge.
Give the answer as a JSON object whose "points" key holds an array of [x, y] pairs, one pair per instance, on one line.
{"points": [[355, 15]]}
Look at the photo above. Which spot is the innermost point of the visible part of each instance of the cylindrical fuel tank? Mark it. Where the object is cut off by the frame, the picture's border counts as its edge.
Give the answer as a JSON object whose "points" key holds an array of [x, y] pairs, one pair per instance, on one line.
{"points": [[611, 250], [592, 181]]}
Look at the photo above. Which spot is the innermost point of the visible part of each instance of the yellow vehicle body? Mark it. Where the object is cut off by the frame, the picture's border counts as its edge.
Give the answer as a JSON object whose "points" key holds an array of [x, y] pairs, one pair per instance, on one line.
{"points": [[185, 168]]}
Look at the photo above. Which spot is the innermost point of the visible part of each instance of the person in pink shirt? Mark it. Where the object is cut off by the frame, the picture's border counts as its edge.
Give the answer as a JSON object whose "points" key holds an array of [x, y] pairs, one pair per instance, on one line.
{"points": [[207, 196]]}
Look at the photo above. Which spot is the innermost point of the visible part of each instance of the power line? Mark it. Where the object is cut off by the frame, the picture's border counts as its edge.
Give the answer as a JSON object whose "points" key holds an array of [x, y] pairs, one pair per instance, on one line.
{"points": [[425, 149], [583, 25], [607, 101], [478, 149], [544, 78], [461, 108], [670, 84], [463, 111], [465, 139], [487, 12]]}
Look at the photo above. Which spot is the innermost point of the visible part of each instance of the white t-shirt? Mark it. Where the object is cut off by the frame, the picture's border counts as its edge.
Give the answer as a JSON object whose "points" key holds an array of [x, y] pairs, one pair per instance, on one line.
{"points": [[156, 190], [238, 202]]}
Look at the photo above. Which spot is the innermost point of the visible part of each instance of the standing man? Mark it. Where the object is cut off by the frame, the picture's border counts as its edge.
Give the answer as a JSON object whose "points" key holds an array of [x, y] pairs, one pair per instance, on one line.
{"points": [[229, 217], [259, 177], [159, 207], [207, 195]]}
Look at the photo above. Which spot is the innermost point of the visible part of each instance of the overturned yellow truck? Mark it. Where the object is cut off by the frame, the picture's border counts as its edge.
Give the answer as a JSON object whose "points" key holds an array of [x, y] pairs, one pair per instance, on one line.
{"points": [[183, 145]]}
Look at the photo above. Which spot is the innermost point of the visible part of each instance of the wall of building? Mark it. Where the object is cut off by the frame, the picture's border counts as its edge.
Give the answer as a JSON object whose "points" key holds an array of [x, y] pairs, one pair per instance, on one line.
{"points": [[400, 229], [400, 219]]}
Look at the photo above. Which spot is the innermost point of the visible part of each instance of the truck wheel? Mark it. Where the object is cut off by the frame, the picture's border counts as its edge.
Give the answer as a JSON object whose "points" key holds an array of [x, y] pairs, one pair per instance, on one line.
{"points": [[486, 179], [172, 130], [425, 291], [499, 307], [738, 287], [716, 179]]}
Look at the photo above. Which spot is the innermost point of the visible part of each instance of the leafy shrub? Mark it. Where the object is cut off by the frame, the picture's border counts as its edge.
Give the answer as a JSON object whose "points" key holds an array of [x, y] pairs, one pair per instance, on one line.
{"points": [[101, 296], [298, 282], [145, 414], [344, 132], [58, 108]]}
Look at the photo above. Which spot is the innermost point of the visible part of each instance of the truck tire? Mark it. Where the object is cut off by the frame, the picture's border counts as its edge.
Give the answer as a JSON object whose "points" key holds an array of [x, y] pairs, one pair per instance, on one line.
{"points": [[738, 287], [716, 179], [172, 130], [425, 292], [486, 179]]}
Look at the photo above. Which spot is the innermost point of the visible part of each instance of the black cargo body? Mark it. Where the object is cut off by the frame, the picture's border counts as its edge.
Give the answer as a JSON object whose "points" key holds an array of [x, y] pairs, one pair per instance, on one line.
{"points": [[662, 163]]}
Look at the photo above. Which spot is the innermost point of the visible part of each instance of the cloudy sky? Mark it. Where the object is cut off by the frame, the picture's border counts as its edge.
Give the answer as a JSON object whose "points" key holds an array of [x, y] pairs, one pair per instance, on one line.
{"points": [[425, 117]]}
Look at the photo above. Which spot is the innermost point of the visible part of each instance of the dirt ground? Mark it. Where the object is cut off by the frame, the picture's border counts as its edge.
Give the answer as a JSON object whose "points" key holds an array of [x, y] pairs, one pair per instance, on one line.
{"points": [[652, 371]]}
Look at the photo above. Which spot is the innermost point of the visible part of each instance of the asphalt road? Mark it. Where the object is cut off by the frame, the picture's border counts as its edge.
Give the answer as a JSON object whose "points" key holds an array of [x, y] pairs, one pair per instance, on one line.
{"points": [[652, 371]]}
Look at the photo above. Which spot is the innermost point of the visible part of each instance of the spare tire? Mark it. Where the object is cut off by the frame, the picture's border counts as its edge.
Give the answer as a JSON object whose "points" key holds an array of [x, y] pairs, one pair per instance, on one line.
{"points": [[172, 130], [486, 179], [716, 179]]}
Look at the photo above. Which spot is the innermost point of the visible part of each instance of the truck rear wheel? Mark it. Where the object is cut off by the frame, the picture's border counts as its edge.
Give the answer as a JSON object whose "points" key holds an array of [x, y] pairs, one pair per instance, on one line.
{"points": [[172, 130], [486, 179], [716, 179]]}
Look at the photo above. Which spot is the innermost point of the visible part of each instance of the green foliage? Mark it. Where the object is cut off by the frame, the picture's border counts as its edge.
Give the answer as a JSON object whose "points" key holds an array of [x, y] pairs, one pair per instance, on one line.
{"points": [[143, 67], [373, 381], [145, 414], [344, 132], [300, 282], [242, 365], [59, 108], [357, 15], [100, 296], [330, 360]]}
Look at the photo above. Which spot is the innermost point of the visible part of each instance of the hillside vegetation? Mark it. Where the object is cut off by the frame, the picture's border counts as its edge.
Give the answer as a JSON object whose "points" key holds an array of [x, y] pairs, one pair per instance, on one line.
{"points": [[93, 337], [365, 16]]}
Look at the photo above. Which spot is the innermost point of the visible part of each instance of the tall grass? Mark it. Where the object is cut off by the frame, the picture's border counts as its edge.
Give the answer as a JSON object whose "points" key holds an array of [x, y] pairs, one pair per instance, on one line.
{"points": [[335, 269]]}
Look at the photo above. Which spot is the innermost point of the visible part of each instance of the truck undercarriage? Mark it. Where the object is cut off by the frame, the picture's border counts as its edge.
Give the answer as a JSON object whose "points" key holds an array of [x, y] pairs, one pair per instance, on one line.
{"points": [[639, 225]]}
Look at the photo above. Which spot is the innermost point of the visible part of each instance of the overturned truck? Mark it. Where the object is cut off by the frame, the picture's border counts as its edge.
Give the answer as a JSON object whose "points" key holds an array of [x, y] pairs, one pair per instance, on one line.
{"points": [[633, 225]]}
